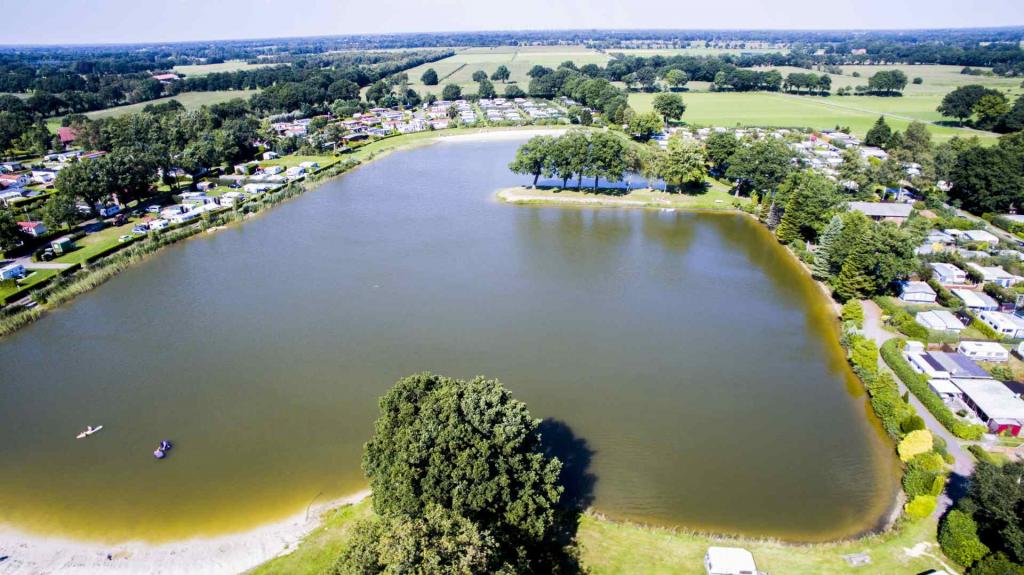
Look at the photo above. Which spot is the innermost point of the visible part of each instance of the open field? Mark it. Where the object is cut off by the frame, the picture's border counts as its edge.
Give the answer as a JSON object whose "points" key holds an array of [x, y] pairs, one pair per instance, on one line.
{"points": [[191, 101], [696, 50], [34, 277], [622, 548], [783, 110], [197, 70], [459, 68], [919, 101]]}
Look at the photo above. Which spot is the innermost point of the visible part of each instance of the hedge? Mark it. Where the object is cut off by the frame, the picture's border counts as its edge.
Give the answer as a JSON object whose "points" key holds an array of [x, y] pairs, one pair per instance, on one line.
{"points": [[921, 506], [853, 312], [918, 385]]}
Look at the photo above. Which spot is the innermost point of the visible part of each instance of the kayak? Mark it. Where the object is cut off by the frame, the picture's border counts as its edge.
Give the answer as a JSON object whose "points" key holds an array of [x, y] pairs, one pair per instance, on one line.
{"points": [[88, 432]]}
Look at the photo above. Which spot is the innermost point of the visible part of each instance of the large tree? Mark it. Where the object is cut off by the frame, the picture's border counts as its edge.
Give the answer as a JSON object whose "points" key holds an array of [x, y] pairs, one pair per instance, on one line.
{"points": [[683, 165], [720, 146], [644, 126], [676, 78], [502, 74], [429, 77], [761, 166], [670, 106], [811, 199], [879, 134], [534, 157], [451, 92], [469, 448], [9, 238], [960, 102]]}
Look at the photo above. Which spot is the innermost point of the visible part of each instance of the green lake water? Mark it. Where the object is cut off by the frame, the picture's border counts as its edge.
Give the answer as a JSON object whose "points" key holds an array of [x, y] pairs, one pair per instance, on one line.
{"points": [[686, 356]]}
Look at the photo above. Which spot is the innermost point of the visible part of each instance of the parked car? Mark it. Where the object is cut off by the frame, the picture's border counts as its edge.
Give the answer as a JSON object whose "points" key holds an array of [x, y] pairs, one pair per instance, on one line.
{"points": [[153, 209], [235, 186], [124, 238], [140, 229], [120, 220]]}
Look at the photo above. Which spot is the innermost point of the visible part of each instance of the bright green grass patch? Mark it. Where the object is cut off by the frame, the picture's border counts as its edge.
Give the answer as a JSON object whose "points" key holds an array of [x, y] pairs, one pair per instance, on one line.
{"points": [[623, 548], [619, 548], [783, 110], [318, 550], [198, 70], [34, 277], [96, 243]]}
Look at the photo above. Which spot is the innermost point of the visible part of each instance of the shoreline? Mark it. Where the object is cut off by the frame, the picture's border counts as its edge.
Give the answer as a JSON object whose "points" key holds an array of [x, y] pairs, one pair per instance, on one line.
{"points": [[713, 200], [28, 553]]}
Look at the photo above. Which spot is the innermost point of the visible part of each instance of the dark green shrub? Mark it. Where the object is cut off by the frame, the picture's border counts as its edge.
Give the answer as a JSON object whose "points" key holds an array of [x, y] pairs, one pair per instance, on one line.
{"points": [[912, 423], [914, 330]]}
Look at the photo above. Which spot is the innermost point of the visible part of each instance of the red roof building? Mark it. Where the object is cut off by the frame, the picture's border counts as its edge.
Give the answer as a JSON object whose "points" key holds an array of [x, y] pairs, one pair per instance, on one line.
{"points": [[67, 135]]}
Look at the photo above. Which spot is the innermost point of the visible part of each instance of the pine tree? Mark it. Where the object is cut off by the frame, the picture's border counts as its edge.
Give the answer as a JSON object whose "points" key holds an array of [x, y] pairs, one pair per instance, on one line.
{"points": [[792, 220], [772, 221], [879, 134], [853, 281], [823, 267]]}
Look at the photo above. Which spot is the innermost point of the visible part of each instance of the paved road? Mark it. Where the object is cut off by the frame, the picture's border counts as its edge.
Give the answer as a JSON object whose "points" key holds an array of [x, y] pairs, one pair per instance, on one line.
{"points": [[963, 461]]}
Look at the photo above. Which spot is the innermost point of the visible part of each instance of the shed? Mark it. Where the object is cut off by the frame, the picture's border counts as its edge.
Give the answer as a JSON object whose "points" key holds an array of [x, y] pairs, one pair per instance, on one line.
{"points": [[63, 245], [729, 561], [945, 389], [949, 274]]}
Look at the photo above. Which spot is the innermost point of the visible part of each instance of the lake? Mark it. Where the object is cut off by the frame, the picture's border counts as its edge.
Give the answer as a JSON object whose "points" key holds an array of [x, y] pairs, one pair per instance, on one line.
{"points": [[689, 358]]}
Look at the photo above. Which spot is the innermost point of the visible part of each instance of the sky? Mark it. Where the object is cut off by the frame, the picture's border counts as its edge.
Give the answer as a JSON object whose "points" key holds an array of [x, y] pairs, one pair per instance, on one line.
{"points": [[117, 21]]}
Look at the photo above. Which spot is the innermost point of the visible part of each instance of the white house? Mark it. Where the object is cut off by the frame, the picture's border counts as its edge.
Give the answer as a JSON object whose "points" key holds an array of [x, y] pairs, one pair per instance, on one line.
{"points": [[295, 171], [270, 155], [729, 561], [309, 165], [273, 170], [976, 300], [12, 272], [984, 351], [919, 292], [996, 275], [158, 224], [980, 236], [34, 229], [11, 196], [1005, 324], [945, 389], [949, 274], [1001, 409], [171, 211], [940, 320]]}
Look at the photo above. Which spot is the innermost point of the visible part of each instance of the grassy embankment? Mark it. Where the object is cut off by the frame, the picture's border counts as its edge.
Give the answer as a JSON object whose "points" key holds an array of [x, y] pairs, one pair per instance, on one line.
{"points": [[717, 197], [611, 547]]}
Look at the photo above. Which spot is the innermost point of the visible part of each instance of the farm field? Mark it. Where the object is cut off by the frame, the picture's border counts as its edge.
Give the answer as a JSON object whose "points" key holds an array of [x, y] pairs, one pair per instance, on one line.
{"points": [[459, 68], [695, 51], [782, 110], [919, 101], [197, 70], [191, 101]]}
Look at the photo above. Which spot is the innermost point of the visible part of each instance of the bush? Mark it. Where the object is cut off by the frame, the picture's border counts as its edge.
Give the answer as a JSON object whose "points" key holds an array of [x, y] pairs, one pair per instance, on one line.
{"points": [[958, 537], [980, 454], [887, 404], [914, 330], [853, 312], [1002, 373], [912, 423], [921, 506], [918, 384], [864, 353], [914, 444], [996, 564]]}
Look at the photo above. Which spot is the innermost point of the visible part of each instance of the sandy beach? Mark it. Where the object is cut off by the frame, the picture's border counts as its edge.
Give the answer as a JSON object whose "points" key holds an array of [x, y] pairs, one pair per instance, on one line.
{"points": [[28, 554]]}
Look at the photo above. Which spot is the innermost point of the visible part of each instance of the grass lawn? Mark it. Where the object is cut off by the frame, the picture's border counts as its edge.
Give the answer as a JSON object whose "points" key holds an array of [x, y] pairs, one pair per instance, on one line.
{"points": [[93, 244], [698, 49], [717, 197], [34, 277], [783, 110], [622, 548], [197, 70], [318, 550], [458, 69]]}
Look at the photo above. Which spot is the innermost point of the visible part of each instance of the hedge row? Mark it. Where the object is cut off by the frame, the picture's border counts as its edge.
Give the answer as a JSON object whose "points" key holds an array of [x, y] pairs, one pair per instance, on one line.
{"points": [[918, 385]]}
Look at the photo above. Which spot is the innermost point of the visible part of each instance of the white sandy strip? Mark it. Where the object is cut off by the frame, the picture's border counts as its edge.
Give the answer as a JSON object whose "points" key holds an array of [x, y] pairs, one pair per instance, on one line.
{"points": [[490, 136], [235, 553], [526, 198]]}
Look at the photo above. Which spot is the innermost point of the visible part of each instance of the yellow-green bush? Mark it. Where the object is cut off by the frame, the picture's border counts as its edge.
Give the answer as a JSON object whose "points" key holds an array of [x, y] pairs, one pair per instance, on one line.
{"points": [[914, 444]]}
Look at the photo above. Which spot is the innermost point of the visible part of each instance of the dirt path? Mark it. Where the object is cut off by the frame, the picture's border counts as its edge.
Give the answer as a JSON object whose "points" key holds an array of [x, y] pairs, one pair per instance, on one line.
{"points": [[963, 461]]}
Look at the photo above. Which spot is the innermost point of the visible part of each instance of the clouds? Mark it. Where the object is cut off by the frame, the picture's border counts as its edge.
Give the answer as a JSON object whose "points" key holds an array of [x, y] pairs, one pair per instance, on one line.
{"points": [[111, 21]]}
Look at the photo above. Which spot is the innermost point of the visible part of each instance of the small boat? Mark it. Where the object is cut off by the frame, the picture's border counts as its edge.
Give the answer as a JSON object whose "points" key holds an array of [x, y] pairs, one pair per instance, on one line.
{"points": [[159, 454], [89, 430]]}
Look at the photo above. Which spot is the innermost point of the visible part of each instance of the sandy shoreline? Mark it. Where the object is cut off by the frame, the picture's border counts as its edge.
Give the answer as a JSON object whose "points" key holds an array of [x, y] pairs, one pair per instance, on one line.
{"points": [[498, 134], [234, 553]]}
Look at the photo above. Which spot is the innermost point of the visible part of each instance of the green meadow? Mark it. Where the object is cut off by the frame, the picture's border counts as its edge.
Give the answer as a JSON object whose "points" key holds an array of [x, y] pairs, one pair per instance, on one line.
{"points": [[783, 110], [191, 101], [197, 70], [458, 69]]}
